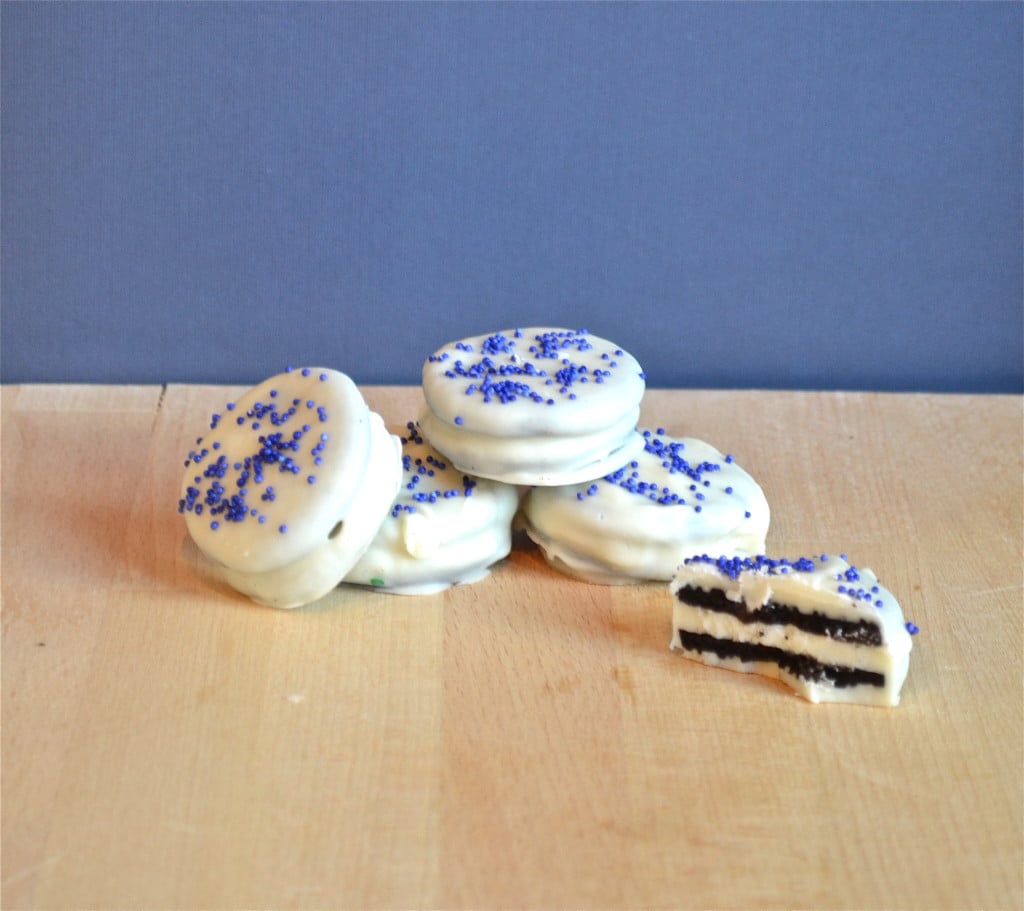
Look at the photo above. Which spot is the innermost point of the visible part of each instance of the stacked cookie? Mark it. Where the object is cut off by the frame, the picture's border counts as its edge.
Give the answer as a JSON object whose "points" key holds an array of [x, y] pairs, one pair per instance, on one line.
{"points": [[445, 527], [534, 406], [298, 487], [288, 486], [556, 411]]}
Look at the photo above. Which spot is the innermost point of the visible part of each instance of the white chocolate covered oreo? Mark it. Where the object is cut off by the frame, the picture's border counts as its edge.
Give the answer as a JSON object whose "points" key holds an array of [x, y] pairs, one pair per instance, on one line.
{"points": [[677, 497], [445, 527], [287, 488], [533, 406], [827, 629]]}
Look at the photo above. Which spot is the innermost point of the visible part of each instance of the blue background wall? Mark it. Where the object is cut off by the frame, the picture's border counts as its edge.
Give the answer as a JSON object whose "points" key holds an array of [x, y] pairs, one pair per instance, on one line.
{"points": [[770, 195]]}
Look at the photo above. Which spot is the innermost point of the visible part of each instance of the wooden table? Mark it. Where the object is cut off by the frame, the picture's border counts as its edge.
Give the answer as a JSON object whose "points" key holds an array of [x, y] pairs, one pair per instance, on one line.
{"points": [[524, 742]]}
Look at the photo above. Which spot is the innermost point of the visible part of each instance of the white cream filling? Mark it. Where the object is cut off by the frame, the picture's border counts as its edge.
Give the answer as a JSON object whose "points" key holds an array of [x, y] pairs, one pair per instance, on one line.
{"points": [[786, 637], [817, 591], [816, 692], [825, 589]]}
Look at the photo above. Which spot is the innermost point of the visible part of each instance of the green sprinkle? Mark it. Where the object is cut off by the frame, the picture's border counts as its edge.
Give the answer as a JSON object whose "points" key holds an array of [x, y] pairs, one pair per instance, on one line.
{"points": [[376, 581]]}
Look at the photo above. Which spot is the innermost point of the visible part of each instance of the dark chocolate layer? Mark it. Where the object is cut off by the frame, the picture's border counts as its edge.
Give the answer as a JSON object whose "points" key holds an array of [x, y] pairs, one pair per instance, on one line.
{"points": [[800, 665], [863, 632]]}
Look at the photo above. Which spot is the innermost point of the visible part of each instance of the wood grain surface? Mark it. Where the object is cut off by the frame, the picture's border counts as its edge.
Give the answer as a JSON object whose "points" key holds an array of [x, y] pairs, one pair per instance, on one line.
{"points": [[524, 742]]}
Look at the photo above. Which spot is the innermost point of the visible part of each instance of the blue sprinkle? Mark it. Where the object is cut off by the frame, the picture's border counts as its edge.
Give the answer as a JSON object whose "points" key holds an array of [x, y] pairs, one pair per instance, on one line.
{"points": [[458, 419], [311, 479], [913, 628], [283, 529]]}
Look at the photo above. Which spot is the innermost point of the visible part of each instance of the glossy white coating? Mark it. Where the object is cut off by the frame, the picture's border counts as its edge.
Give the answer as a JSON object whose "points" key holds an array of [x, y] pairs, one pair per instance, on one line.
{"points": [[678, 496], [824, 585], [444, 528], [287, 485], [533, 406]]}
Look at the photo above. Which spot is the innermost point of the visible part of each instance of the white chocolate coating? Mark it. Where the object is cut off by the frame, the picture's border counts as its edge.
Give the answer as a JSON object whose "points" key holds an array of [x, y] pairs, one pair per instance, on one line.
{"points": [[827, 586], [534, 406], [678, 496], [322, 569], [289, 485], [444, 528], [535, 460]]}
